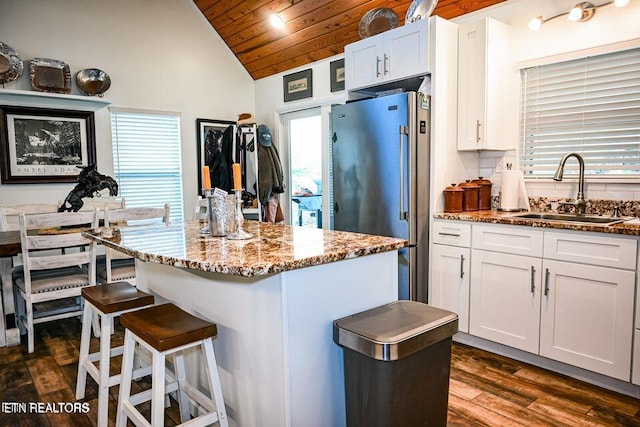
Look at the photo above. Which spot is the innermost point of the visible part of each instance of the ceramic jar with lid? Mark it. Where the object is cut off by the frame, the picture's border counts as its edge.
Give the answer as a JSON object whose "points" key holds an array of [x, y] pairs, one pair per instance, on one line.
{"points": [[470, 196], [484, 199], [453, 199]]}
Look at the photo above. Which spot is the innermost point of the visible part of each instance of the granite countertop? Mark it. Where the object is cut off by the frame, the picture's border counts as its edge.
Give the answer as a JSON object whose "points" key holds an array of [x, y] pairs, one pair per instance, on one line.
{"points": [[630, 227], [273, 249]]}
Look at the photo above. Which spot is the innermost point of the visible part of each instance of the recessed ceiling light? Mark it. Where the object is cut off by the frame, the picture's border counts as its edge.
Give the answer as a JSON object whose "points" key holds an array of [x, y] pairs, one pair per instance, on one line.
{"points": [[277, 21]]}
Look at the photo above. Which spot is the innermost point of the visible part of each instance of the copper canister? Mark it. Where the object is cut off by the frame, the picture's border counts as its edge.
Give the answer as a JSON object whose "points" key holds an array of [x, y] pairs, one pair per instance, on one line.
{"points": [[470, 196], [484, 200], [453, 199]]}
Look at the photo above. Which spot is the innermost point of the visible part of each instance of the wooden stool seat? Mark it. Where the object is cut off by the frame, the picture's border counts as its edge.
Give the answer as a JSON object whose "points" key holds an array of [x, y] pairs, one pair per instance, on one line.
{"points": [[167, 331], [118, 296], [166, 326]]}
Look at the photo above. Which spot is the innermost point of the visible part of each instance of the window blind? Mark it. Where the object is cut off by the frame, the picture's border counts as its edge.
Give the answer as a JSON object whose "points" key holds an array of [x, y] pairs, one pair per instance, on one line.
{"points": [[590, 106], [147, 160]]}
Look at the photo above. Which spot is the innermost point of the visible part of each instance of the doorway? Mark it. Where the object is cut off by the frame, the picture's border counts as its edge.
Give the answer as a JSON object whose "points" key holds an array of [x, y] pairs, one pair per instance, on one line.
{"points": [[303, 133]]}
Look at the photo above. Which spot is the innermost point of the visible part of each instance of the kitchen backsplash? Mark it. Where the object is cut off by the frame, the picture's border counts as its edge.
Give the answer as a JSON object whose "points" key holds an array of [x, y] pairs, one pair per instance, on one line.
{"points": [[594, 206], [600, 196]]}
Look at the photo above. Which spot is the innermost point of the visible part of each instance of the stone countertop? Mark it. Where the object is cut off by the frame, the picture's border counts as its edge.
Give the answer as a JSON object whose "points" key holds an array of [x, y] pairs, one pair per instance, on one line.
{"points": [[629, 228], [274, 248]]}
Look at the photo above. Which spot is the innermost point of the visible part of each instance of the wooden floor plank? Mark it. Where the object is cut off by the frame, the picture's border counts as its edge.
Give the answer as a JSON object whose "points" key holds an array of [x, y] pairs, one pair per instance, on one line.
{"points": [[479, 415], [563, 415], [512, 411], [463, 390], [613, 418], [476, 380], [46, 374], [579, 391]]}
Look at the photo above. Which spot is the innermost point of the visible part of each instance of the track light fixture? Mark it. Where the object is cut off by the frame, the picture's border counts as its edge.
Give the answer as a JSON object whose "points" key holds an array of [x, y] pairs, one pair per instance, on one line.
{"points": [[581, 12]]}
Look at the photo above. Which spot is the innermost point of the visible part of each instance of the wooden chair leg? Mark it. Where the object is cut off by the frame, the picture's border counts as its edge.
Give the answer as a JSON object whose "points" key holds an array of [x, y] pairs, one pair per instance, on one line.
{"points": [[29, 317], [214, 381], [125, 382], [81, 382], [20, 311], [181, 377], [105, 358], [157, 386]]}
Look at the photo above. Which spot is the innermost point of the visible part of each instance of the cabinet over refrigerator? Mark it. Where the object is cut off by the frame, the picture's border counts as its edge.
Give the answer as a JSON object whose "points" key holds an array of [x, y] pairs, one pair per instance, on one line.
{"points": [[381, 177]]}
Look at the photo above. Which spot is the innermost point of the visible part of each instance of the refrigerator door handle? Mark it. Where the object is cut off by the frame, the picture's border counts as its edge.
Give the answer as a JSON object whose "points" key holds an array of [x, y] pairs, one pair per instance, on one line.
{"points": [[404, 130]]}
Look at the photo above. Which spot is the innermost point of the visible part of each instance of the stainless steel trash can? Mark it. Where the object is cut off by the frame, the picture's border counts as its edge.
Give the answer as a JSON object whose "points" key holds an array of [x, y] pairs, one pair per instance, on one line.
{"points": [[397, 360]]}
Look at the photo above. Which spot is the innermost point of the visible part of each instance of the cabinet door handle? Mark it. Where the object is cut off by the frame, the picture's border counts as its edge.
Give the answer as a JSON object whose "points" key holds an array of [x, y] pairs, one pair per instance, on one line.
{"points": [[533, 279], [384, 65], [461, 266], [449, 234], [478, 131], [546, 282], [377, 66]]}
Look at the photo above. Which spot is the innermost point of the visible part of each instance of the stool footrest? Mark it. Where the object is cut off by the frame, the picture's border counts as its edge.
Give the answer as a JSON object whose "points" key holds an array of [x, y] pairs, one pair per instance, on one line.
{"points": [[145, 396], [114, 379], [199, 397]]}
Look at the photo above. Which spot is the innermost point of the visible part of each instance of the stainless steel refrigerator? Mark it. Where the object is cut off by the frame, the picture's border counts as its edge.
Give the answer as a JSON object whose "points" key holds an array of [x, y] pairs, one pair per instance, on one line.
{"points": [[380, 152]]}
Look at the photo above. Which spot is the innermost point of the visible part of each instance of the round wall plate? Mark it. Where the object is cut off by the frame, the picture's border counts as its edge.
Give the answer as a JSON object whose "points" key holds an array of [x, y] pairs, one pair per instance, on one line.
{"points": [[11, 66]]}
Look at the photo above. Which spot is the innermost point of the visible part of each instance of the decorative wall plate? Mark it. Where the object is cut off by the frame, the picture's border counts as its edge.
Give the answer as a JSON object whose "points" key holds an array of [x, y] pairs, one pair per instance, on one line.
{"points": [[377, 21], [420, 9], [50, 75], [11, 65], [93, 81]]}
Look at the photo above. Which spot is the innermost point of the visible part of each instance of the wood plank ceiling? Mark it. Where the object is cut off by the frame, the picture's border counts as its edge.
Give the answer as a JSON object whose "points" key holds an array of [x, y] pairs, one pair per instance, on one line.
{"points": [[315, 29]]}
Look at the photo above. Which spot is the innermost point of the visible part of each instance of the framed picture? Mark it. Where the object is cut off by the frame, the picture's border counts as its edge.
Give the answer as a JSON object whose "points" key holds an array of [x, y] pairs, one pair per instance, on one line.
{"points": [[298, 85], [337, 75], [210, 133], [42, 145]]}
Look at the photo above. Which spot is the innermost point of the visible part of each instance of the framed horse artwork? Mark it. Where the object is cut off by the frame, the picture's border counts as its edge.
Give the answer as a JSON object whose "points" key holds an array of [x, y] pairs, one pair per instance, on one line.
{"points": [[42, 145]]}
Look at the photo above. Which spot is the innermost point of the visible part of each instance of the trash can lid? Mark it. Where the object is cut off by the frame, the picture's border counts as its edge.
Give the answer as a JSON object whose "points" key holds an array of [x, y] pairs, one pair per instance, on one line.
{"points": [[395, 330]]}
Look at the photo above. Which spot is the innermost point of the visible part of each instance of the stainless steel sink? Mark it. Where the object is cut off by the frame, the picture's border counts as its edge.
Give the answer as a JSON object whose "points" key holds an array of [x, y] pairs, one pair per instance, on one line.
{"points": [[589, 219]]}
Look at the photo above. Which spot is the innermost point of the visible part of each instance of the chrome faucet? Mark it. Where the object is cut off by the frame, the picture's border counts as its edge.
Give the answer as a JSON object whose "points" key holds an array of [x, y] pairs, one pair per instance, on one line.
{"points": [[580, 204]]}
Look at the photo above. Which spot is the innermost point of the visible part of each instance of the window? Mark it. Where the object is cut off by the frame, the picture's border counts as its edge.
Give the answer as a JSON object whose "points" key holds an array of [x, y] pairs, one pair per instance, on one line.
{"points": [[146, 157], [590, 106]]}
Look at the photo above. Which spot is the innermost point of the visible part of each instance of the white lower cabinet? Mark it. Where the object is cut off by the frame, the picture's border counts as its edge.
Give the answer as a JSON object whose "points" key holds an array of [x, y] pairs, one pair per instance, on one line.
{"points": [[449, 285], [572, 302], [505, 299], [587, 317]]}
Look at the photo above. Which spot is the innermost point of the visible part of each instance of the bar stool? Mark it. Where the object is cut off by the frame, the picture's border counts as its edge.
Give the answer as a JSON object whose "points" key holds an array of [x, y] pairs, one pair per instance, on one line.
{"points": [[107, 301], [165, 330]]}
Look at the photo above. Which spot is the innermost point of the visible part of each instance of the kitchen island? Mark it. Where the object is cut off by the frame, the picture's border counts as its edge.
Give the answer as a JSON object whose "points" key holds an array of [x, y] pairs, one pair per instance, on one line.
{"points": [[274, 298]]}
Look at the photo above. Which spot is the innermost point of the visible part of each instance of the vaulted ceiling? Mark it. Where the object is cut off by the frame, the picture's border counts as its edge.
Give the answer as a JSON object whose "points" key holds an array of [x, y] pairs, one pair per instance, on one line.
{"points": [[315, 29]]}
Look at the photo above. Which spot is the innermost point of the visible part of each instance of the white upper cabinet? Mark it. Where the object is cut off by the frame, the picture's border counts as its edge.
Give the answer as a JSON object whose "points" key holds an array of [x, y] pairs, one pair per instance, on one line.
{"points": [[483, 86], [393, 55]]}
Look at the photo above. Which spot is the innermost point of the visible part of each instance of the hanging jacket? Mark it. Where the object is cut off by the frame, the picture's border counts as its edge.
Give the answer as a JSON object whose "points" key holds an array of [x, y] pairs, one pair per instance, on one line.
{"points": [[221, 161], [270, 175]]}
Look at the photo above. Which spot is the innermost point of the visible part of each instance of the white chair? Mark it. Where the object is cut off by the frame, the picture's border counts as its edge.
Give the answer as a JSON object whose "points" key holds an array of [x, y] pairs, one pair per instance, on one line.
{"points": [[47, 277], [9, 222], [9, 214], [115, 266]]}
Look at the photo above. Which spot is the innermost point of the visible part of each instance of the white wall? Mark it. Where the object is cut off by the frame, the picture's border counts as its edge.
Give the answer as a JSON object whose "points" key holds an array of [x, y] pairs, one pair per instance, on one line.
{"points": [[270, 105], [160, 55], [558, 37]]}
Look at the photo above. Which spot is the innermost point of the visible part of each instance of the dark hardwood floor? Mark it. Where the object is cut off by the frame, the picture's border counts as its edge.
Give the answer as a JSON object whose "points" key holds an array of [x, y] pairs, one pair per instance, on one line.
{"points": [[485, 389]]}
